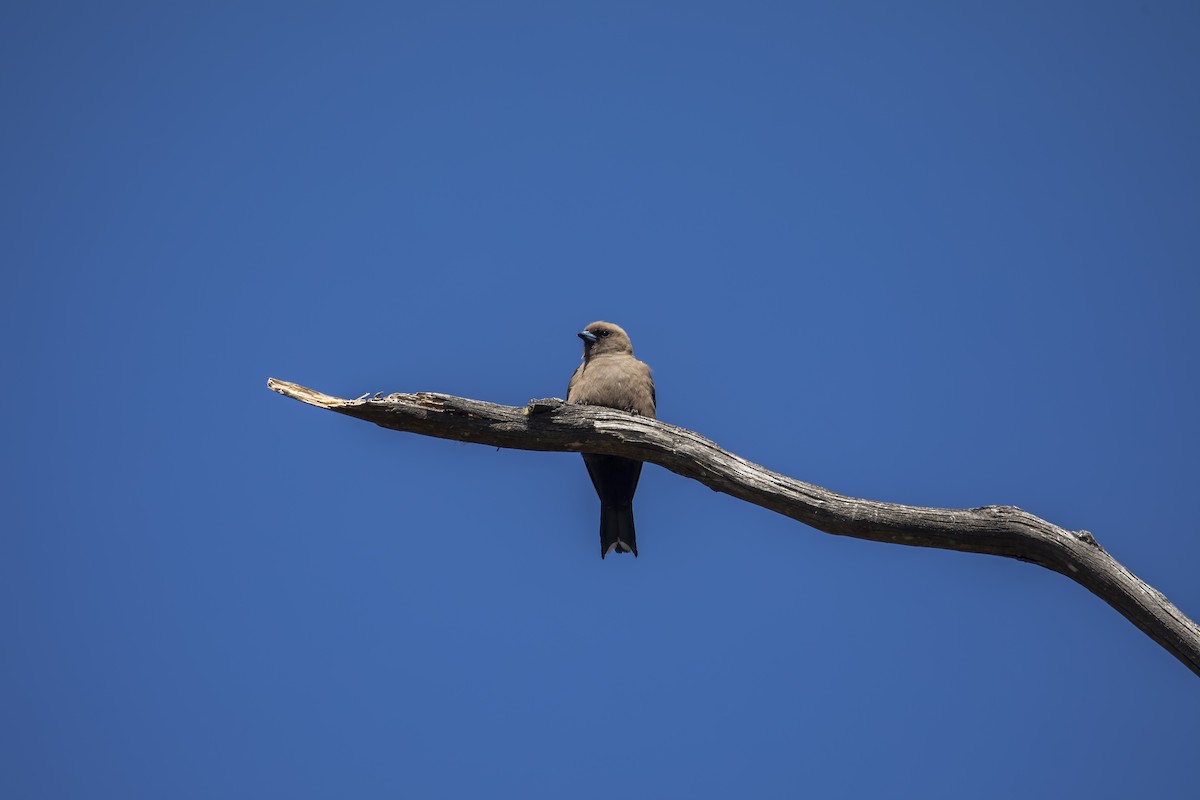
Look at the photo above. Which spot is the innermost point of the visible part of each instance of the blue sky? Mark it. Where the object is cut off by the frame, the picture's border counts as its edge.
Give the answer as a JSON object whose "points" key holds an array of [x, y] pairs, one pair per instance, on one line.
{"points": [[934, 253]]}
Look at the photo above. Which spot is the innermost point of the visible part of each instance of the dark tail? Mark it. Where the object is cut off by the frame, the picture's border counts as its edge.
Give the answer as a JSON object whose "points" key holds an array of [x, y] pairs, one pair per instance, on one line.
{"points": [[616, 480], [616, 530]]}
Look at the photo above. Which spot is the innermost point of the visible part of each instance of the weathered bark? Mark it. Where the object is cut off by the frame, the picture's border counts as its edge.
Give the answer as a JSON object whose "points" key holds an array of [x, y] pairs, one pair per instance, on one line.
{"points": [[551, 425]]}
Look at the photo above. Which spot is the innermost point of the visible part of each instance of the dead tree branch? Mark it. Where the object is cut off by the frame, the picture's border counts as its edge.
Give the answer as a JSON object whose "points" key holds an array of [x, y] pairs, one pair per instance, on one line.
{"points": [[551, 425]]}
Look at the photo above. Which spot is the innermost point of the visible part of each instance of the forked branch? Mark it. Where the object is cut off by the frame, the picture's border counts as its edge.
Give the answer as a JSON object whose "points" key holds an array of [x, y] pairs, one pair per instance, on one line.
{"points": [[551, 425]]}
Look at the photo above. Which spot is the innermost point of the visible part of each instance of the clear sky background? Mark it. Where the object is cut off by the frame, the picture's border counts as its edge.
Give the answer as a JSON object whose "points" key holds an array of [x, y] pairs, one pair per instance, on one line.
{"points": [[935, 253]]}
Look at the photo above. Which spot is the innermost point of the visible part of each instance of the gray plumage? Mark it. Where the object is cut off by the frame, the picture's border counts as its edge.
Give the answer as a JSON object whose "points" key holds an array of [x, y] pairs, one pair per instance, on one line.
{"points": [[610, 376]]}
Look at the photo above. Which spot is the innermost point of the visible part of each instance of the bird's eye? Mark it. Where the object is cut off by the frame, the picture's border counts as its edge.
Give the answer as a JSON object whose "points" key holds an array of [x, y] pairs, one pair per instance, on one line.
{"points": [[605, 333]]}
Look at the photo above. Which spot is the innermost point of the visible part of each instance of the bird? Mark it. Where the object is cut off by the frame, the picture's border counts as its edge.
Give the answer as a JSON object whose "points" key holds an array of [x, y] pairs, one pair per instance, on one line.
{"points": [[610, 376]]}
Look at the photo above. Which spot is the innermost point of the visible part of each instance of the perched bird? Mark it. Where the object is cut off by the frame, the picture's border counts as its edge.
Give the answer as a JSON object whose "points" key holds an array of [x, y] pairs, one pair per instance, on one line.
{"points": [[610, 376]]}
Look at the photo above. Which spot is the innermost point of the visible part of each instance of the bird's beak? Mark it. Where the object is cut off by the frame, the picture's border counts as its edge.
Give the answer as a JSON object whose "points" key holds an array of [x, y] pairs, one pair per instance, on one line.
{"points": [[587, 336]]}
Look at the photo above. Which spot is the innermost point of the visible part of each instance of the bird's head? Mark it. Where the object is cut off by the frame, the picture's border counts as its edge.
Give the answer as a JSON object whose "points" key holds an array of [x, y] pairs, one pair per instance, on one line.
{"points": [[601, 338]]}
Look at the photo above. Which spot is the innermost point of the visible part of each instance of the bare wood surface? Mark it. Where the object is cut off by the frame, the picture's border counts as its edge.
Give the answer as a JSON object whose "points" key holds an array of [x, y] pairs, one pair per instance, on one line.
{"points": [[551, 425]]}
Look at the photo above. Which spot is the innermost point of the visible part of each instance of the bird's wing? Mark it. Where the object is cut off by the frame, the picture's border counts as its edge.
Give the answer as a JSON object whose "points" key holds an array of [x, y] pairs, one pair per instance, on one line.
{"points": [[571, 384]]}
